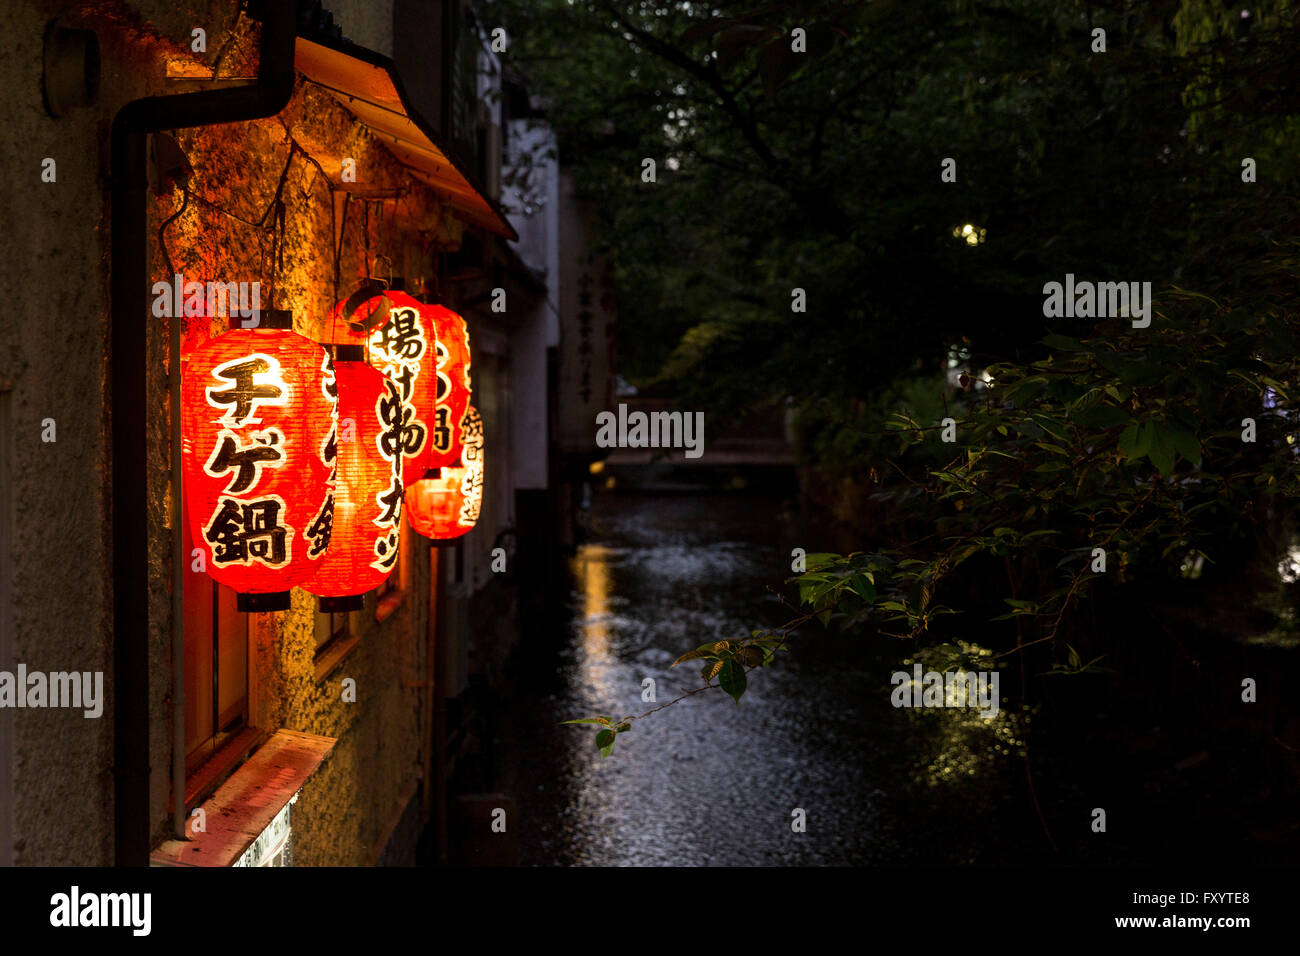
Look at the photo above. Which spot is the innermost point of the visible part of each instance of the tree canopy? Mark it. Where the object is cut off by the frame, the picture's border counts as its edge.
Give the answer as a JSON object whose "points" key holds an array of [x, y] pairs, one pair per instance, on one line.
{"points": [[813, 161], [803, 146]]}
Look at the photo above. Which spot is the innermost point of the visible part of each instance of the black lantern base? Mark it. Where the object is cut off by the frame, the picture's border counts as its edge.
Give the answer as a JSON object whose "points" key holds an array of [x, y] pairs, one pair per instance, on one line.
{"points": [[433, 473], [272, 601], [443, 543], [340, 605], [347, 353]]}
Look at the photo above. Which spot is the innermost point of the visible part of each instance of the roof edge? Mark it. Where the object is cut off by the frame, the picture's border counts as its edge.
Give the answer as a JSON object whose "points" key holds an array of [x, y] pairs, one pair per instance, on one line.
{"points": [[385, 63]]}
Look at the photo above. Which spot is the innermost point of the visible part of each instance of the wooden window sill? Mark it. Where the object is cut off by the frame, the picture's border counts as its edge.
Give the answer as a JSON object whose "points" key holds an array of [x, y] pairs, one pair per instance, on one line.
{"points": [[387, 604], [209, 775], [247, 802]]}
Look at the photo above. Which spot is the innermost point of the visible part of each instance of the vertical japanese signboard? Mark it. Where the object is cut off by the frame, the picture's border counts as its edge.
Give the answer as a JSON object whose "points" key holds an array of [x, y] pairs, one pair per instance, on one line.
{"points": [[587, 333]]}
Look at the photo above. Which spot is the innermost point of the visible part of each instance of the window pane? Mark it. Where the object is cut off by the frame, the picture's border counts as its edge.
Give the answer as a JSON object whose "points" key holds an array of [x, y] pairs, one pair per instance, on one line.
{"points": [[330, 626], [198, 651], [323, 630], [232, 660]]}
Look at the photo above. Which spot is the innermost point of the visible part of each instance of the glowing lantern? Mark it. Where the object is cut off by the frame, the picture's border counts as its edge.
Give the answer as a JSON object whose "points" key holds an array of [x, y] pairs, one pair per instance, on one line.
{"points": [[368, 494], [258, 420], [448, 506], [403, 348], [453, 385], [425, 350]]}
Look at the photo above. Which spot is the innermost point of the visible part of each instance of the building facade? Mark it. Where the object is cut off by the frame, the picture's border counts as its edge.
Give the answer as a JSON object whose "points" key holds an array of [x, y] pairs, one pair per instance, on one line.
{"points": [[269, 737]]}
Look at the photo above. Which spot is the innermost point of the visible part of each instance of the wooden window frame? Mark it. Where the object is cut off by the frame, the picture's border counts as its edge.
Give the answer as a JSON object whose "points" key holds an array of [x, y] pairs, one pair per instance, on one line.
{"points": [[233, 735], [341, 642]]}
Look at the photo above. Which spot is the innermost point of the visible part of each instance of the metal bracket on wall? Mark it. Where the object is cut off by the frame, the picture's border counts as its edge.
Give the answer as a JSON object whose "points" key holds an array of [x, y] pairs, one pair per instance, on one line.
{"points": [[70, 74]]}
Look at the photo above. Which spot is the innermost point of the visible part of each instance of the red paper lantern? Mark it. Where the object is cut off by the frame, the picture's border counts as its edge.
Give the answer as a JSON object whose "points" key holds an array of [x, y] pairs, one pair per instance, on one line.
{"points": [[453, 394], [368, 493], [258, 445], [448, 506], [404, 349], [425, 350]]}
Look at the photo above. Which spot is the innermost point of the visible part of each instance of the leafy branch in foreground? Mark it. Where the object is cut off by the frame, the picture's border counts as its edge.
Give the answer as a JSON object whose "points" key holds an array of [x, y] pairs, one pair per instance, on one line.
{"points": [[728, 662], [1124, 448], [829, 590]]}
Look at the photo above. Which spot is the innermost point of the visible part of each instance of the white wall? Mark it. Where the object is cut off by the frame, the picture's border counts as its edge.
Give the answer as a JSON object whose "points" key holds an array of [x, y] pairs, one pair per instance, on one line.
{"points": [[539, 328]]}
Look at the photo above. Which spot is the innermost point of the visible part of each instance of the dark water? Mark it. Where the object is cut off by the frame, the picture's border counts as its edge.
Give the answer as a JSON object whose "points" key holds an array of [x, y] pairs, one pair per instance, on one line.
{"points": [[707, 782]]}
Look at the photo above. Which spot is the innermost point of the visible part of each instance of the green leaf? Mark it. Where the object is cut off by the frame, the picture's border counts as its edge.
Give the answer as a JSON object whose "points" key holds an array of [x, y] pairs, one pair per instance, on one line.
{"points": [[1134, 441], [605, 741], [733, 679], [1101, 416], [1064, 343], [863, 588], [1054, 428], [704, 650], [1185, 442], [1162, 449]]}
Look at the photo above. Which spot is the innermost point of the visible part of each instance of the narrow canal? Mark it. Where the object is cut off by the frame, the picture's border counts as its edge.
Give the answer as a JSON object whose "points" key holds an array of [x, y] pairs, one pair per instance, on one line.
{"points": [[707, 782]]}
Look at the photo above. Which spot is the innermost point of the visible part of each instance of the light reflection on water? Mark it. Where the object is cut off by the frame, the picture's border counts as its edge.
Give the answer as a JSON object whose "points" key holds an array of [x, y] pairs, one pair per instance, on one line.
{"points": [[707, 782], [1288, 568]]}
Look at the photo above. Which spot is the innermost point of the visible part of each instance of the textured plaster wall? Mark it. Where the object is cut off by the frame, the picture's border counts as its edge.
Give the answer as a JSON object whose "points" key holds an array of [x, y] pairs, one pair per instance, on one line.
{"points": [[53, 353], [368, 23], [342, 811]]}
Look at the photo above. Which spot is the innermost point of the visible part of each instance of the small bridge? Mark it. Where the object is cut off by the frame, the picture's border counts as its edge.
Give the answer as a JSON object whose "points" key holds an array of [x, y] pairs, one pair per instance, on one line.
{"points": [[755, 440]]}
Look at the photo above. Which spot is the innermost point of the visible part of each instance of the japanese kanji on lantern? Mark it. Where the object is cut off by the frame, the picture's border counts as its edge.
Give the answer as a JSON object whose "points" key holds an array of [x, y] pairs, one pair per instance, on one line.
{"points": [[368, 494], [258, 425], [453, 394], [448, 506], [404, 349]]}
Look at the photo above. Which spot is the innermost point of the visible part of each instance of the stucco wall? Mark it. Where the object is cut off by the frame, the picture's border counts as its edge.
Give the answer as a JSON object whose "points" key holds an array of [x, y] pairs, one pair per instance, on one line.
{"points": [[54, 352], [367, 23]]}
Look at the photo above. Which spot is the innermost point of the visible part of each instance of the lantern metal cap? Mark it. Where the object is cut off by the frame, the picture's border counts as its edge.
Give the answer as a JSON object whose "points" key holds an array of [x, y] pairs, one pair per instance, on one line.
{"points": [[341, 604], [266, 319], [378, 317], [346, 353], [270, 601]]}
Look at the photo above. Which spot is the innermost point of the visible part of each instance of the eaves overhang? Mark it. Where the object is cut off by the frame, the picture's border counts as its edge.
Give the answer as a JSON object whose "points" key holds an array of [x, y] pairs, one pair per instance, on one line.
{"points": [[368, 85]]}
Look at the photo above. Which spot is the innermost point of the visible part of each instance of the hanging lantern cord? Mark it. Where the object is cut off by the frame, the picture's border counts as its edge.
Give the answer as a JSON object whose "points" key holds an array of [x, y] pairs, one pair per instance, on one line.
{"points": [[275, 213], [365, 235], [162, 230], [388, 282]]}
